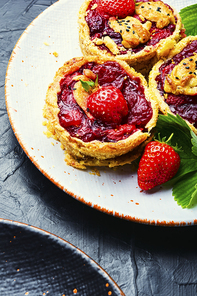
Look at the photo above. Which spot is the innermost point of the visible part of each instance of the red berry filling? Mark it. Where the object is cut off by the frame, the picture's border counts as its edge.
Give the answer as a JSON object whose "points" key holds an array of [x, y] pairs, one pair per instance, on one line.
{"points": [[184, 105], [110, 74], [98, 25]]}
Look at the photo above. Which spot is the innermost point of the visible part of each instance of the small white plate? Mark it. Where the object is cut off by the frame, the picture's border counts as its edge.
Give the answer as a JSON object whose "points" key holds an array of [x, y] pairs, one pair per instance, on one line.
{"points": [[31, 68]]}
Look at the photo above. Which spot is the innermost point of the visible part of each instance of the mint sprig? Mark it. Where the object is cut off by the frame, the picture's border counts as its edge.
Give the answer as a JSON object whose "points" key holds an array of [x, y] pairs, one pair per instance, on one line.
{"points": [[185, 181], [87, 85], [90, 84], [189, 19]]}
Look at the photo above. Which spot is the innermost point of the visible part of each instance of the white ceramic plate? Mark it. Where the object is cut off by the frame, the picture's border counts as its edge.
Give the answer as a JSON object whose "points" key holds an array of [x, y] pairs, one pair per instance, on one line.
{"points": [[31, 68]]}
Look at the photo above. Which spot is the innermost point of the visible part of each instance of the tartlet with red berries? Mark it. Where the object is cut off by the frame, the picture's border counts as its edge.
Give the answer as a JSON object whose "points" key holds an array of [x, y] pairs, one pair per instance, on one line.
{"points": [[173, 82], [136, 32], [101, 111]]}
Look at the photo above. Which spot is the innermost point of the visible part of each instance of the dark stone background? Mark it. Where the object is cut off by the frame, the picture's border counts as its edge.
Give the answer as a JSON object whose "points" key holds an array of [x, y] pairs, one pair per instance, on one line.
{"points": [[142, 259]]}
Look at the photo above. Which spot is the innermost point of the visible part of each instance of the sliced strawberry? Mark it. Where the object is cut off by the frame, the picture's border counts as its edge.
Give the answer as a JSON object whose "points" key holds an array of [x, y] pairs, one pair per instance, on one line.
{"points": [[108, 105], [159, 163], [119, 8]]}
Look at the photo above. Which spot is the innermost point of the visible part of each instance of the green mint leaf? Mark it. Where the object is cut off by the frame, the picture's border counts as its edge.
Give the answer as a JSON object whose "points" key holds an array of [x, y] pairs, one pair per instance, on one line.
{"points": [[185, 191], [87, 85], [189, 19], [90, 84]]}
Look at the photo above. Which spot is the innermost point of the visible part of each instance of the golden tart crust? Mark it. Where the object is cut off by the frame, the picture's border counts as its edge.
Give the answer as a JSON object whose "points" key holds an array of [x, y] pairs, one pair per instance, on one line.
{"points": [[81, 154], [143, 60], [181, 81]]}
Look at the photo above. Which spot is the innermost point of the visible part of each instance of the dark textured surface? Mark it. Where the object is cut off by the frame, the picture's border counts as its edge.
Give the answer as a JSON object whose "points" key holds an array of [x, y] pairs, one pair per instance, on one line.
{"points": [[143, 260]]}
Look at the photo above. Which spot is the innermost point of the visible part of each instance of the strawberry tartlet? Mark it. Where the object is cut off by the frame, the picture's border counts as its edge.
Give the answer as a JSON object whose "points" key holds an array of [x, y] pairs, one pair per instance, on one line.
{"points": [[139, 33], [173, 82], [101, 111]]}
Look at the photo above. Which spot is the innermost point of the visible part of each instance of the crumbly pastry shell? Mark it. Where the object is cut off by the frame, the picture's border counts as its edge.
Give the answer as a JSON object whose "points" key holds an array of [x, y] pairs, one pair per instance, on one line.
{"points": [[163, 106], [95, 153], [141, 61]]}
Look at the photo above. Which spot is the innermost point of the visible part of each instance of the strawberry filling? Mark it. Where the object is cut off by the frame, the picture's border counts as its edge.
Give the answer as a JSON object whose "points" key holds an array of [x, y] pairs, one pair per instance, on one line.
{"points": [[73, 118], [99, 28], [184, 105]]}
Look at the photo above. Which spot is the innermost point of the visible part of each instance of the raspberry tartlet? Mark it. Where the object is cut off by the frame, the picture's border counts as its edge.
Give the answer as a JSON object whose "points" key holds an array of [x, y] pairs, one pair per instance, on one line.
{"points": [[101, 111], [146, 35], [173, 82]]}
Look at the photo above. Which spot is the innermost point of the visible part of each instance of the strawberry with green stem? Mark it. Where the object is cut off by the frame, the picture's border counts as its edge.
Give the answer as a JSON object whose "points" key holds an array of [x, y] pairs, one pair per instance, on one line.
{"points": [[108, 105], [184, 183], [105, 103], [159, 163]]}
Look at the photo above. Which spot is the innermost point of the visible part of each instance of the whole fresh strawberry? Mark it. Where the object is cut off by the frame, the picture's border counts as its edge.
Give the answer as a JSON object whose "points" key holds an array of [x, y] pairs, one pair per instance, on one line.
{"points": [[119, 8], [107, 104], [159, 163]]}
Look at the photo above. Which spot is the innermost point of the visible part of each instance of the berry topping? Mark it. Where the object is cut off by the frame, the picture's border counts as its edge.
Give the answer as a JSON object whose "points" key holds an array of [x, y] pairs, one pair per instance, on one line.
{"points": [[119, 8], [108, 105], [159, 163], [70, 117]]}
